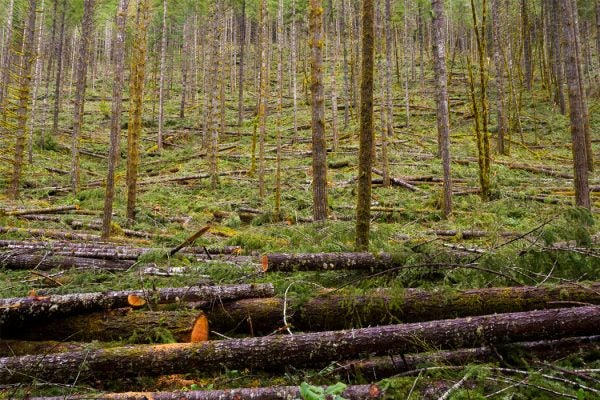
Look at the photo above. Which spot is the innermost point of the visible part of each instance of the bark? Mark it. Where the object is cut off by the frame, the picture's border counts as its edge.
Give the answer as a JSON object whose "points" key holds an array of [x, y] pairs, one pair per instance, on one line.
{"points": [[352, 392], [363, 207], [576, 107], [275, 352], [598, 29], [19, 310], [343, 310], [87, 30], [111, 325], [11, 348], [242, 39], [6, 53], [45, 262], [344, 37], [319, 147], [443, 118], [557, 65], [40, 211], [526, 37], [264, 90], [161, 84]]}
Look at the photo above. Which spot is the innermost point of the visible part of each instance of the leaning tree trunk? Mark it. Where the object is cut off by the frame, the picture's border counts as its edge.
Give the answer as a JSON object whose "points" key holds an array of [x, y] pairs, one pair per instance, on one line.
{"points": [[312, 349], [136, 104], [363, 207], [87, 30], [319, 147], [27, 58], [115, 122], [576, 107], [443, 119]]}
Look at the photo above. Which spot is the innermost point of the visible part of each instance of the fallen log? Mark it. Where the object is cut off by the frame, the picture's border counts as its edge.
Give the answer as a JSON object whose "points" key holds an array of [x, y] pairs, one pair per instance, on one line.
{"points": [[327, 261], [377, 368], [36, 308], [398, 181], [275, 352], [51, 234], [38, 211], [470, 234], [44, 262], [11, 348], [353, 392], [537, 169], [110, 325], [339, 310]]}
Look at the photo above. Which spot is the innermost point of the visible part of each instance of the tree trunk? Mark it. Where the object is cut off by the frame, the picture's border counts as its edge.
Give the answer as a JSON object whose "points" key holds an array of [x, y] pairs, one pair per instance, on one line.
{"points": [[526, 37], [498, 42], [443, 119], [87, 30], [45, 262], [263, 100], [557, 63], [275, 352], [27, 58], [352, 392], [344, 37], [6, 53], [19, 310], [242, 39], [59, 69], [115, 121], [363, 207], [161, 84], [598, 30], [136, 105], [576, 107], [319, 147], [37, 81]]}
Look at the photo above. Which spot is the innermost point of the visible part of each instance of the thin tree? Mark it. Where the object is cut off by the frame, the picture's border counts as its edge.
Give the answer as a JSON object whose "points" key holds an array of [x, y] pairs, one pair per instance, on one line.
{"points": [[37, 81], [23, 85], [161, 84], [363, 206], [576, 106], [319, 149], [136, 104], [6, 54], [262, 107], [499, 78], [388, 129], [115, 122], [279, 108], [87, 28], [59, 69], [441, 82], [526, 36]]}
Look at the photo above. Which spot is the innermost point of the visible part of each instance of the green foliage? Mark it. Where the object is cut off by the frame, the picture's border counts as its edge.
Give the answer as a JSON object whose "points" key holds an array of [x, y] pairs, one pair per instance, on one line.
{"points": [[333, 392]]}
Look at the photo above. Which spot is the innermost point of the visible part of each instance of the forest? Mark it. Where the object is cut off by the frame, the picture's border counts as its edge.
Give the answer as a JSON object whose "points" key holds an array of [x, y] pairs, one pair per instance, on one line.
{"points": [[299, 199]]}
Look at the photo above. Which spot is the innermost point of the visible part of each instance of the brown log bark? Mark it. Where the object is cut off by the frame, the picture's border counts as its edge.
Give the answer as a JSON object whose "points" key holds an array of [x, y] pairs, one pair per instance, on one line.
{"points": [[340, 310], [275, 352], [12, 348], [17, 310], [353, 392], [39, 211], [111, 325], [44, 262]]}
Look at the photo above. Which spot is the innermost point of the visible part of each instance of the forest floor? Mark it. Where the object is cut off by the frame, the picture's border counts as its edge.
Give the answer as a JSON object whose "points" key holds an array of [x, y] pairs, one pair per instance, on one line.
{"points": [[529, 233]]}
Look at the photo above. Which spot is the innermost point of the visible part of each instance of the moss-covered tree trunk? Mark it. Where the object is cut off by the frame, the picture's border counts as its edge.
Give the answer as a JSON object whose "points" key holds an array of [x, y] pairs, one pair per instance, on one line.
{"points": [[319, 147], [263, 96], [6, 53], [363, 207], [443, 118], [556, 55], [498, 43], [87, 30], [23, 88], [136, 104], [59, 70], [161, 83]]}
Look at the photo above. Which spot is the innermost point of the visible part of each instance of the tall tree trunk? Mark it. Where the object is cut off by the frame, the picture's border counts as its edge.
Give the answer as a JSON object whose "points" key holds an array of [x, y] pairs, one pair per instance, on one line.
{"points": [[242, 39], [443, 119], [576, 106], [6, 56], [262, 107], [388, 129], [27, 58], [319, 147], [294, 67], [498, 42], [115, 121], [161, 83], [51, 53], [59, 69], [39, 66], [185, 54], [136, 104], [598, 31], [279, 108], [87, 30], [526, 35], [363, 207], [344, 38], [557, 64]]}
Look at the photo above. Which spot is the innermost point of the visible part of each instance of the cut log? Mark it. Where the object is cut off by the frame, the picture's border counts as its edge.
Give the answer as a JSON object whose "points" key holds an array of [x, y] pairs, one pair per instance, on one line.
{"points": [[44, 262], [18, 310], [377, 368], [398, 182], [353, 392], [60, 235], [312, 349], [38, 211], [470, 234], [327, 261], [339, 310], [11, 348], [111, 325]]}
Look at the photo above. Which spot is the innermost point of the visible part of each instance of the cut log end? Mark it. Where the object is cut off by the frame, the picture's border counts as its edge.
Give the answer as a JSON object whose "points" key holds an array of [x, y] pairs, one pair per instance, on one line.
{"points": [[265, 263], [135, 301], [200, 330]]}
